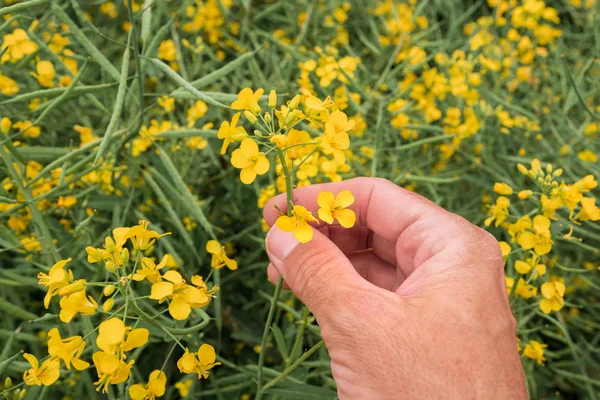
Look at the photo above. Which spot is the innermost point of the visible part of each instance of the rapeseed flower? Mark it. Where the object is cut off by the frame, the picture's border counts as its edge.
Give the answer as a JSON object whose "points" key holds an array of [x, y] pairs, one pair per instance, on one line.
{"points": [[336, 207], [155, 387], [219, 256], [298, 224], [45, 374], [250, 161], [198, 363]]}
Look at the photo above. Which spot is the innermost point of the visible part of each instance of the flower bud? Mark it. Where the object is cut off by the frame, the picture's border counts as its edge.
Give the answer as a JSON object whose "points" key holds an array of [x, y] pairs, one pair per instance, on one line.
{"points": [[250, 117], [74, 287], [268, 118], [522, 169], [110, 266], [258, 133], [295, 102], [108, 305], [124, 256], [22, 394], [549, 168], [272, 99], [557, 173], [525, 194], [108, 290], [8, 382]]}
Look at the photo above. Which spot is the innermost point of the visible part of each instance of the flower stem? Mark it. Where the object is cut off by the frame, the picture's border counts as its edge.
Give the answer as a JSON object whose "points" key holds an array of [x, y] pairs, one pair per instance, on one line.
{"points": [[275, 298]]}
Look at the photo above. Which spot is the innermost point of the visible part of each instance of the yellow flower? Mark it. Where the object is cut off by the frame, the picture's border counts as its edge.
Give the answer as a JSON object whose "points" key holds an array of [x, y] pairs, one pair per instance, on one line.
{"points": [[86, 134], [553, 293], [198, 363], [167, 103], [156, 387], [183, 297], [523, 289], [116, 338], [110, 369], [37, 375], [113, 252], [167, 50], [150, 270], [231, 132], [248, 100], [28, 128], [588, 156], [56, 279], [503, 189], [250, 161], [335, 139], [539, 240], [17, 45], [589, 210], [45, 73], [141, 237], [69, 349], [336, 208], [184, 387], [535, 351], [197, 111], [498, 212], [74, 303], [298, 224], [219, 256], [8, 86]]}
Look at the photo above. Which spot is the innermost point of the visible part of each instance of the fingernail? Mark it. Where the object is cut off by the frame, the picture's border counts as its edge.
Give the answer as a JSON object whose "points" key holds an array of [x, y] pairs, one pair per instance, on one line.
{"points": [[280, 244]]}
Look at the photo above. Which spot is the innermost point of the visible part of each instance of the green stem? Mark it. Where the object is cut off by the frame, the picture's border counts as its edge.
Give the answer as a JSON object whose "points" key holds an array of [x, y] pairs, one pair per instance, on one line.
{"points": [[273, 306], [295, 365], [298, 340]]}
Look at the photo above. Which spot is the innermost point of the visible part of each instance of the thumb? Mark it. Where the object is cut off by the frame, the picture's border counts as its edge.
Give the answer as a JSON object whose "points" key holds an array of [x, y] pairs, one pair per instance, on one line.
{"points": [[317, 272]]}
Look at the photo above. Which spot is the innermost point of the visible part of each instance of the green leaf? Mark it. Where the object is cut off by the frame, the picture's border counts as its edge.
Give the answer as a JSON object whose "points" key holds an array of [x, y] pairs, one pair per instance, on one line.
{"points": [[302, 391]]}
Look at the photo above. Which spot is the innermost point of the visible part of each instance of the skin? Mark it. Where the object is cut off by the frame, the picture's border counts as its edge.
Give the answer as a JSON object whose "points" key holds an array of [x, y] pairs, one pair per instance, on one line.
{"points": [[411, 301]]}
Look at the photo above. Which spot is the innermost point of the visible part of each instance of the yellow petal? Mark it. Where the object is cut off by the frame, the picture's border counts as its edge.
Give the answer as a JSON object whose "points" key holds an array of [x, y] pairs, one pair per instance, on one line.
{"points": [[136, 338], [79, 365], [160, 290], [206, 354], [137, 392], [325, 200], [249, 147], [344, 199], [546, 306], [303, 233], [247, 175], [179, 309], [346, 218], [112, 331], [239, 159], [187, 363], [522, 267], [527, 240], [32, 360], [541, 224], [213, 247], [325, 215], [285, 223], [543, 248], [262, 164], [173, 276]]}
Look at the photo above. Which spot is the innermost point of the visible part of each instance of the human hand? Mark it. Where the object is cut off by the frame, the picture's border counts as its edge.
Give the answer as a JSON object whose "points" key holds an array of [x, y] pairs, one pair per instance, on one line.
{"points": [[411, 301]]}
